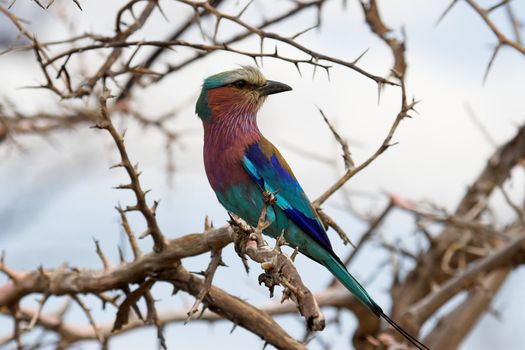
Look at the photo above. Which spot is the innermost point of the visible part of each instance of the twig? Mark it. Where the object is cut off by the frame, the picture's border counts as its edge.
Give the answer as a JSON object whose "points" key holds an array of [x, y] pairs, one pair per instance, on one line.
{"points": [[376, 24], [38, 312], [137, 253], [372, 227], [503, 40], [316, 56], [102, 256], [216, 260], [347, 156], [327, 220], [403, 113], [87, 312], [141, 205], [520, 213], [124, 309]]}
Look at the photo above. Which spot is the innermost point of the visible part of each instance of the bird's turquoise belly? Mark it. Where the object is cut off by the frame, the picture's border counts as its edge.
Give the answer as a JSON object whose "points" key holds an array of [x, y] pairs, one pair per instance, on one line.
{"points": [[246, 201]]}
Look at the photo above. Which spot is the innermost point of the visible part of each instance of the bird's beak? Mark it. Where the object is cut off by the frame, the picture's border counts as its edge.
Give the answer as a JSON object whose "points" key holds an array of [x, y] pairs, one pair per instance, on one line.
{"points": [[273, 87]]}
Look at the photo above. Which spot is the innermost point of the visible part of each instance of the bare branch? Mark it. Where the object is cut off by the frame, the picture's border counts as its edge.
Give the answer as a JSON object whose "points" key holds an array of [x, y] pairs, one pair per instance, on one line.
{"points": [[347, 156], [216, 260], [142, 206], [424, 308], [403, 113]]}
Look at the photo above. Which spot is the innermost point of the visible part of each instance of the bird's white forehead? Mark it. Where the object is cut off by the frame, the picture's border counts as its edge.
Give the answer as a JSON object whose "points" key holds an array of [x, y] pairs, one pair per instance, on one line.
{"points": [[251, 74]]}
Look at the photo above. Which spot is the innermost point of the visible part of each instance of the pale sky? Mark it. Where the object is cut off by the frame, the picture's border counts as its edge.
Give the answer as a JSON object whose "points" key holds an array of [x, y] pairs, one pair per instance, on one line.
{"points": [[57, 194]]}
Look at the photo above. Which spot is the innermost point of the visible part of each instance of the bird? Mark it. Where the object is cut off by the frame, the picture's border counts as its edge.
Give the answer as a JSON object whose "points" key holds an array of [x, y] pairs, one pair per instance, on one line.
{"points": [[242, 167]]}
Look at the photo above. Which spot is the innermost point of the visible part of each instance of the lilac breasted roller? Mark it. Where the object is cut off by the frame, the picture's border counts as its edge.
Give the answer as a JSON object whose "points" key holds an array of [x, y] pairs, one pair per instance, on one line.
{"points": [[241, 165]]}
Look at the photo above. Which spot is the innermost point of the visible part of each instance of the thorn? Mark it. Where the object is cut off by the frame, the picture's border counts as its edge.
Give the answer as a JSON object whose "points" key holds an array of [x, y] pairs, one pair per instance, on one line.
{"points": [[118, 165], [379, 88], [154, 206], [261, 47], [445, 12], [491, 61], [123, 187], [280, 242], [304, 31], [244, 9], [174, 291], [207, 225], [294, 254], [233, 328], [121, 255], [319, 8], [204, 307], [216, 30], [298, 69], [315, 68], [162, 13], [360, 56], [100, 125], [144, 234], [132, 208]]}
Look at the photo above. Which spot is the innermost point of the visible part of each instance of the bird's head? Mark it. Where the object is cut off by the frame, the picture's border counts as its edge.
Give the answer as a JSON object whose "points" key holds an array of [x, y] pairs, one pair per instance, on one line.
{"points": [[236, 91]]}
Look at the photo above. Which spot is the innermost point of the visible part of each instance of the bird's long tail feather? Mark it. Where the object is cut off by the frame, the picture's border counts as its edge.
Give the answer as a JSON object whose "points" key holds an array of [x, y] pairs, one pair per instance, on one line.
{"points": [[338, 269]]}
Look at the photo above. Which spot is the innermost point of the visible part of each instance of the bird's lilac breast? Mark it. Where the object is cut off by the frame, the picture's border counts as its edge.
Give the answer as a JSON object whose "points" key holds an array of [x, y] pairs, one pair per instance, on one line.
{"points": [[224, 149], [223, 170]]}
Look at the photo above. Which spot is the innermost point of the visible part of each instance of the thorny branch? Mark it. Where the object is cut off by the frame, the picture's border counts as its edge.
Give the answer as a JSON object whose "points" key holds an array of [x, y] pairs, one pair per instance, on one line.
{"points": [[469, 254], [120, 41], [503, 40], [133, 173], [376, 24], [406, 108], [216, 260]]}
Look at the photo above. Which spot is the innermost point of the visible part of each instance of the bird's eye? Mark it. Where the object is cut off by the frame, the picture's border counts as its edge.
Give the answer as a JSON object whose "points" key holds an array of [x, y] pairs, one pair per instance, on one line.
{"points": [[240, 84]]}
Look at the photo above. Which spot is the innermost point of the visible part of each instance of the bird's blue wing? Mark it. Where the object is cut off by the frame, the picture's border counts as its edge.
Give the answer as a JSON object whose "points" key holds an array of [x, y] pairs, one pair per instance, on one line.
{"points": [[269, 170]]}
